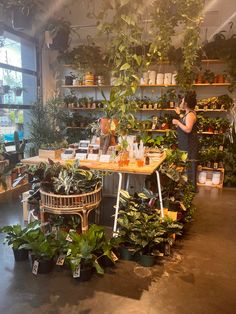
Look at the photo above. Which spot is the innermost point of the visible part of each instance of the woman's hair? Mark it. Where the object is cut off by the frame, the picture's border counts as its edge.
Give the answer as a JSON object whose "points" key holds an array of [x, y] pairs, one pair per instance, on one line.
{"points": [[190, 99]]}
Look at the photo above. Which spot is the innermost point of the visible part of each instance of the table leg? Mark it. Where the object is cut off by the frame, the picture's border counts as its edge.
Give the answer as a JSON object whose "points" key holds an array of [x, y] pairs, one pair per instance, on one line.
{"points": [[159, 193], [117, 203], [127, 183]]}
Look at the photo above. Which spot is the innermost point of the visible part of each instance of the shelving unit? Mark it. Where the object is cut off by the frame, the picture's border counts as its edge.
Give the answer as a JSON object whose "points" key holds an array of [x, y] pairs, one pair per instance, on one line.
{"points": [[142, 113], [144, 86], [209, 176]]}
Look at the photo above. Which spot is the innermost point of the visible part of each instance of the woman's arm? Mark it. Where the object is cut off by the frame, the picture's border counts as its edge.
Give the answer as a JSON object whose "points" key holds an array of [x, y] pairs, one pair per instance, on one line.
{"points": [[190, 120]]}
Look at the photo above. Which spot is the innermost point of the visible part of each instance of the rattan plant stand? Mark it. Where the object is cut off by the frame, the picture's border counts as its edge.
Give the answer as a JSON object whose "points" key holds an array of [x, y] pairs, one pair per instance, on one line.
{"points": [[80, 204]]}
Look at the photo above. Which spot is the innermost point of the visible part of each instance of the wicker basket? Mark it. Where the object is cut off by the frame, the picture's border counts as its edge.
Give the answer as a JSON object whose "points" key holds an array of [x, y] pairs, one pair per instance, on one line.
{"points": [[80, 204]]}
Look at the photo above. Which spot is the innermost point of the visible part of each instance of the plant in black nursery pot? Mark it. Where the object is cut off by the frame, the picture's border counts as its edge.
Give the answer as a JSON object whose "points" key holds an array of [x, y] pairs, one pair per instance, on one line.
{"points": [[16, 238], [43, 249], [84, 252]]}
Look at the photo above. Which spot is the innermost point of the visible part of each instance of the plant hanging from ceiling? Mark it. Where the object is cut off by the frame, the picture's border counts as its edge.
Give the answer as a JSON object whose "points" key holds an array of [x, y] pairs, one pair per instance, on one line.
{"points": [[169, 18]]}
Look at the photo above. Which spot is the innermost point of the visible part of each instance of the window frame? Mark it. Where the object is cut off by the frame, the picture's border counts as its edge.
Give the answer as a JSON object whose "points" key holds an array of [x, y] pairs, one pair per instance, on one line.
{"points": [[36, 74]]}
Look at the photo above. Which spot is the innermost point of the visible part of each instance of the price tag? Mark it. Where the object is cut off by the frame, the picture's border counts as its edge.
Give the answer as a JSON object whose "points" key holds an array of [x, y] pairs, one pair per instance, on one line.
{"points": [[105, 158], [68, 238], [114, 257], [81, 156], [61, 260], [221, 148], [76, 273], [54, 230], [93, 157], [35, 267]]}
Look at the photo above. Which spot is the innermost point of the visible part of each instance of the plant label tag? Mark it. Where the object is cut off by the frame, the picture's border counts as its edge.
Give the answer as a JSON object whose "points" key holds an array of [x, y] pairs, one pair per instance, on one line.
{"points": [[167, 249], [54, 230], [61, 260], [114, 257], [35, 267], [221, 148], [105, 158], [92, 157], [68, 238], [68, 252], [76, 273]]}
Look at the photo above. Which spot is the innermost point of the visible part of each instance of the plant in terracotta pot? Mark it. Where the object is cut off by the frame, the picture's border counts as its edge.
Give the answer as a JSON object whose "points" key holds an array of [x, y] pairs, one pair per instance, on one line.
{"points": [[165, 122], [208, 77]]}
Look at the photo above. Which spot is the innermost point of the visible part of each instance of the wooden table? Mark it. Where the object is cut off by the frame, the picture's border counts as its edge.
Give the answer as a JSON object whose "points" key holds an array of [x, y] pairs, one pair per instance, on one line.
{"points": [[132, 168]]}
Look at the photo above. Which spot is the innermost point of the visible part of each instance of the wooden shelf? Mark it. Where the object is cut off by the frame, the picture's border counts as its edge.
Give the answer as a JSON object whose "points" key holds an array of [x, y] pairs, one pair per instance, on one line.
{"points": [[213, 84], [13, 189], [211, 110], [210, 133], [98, 109], [211, 169], [208, 61], [85, 86], [172, 109], [77, 127], [144, 86], [154, 131], [219, 186]]}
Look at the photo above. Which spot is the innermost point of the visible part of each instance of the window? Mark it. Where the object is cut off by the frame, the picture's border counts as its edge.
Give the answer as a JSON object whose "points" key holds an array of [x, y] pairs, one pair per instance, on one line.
{"points": [[18, 84]]}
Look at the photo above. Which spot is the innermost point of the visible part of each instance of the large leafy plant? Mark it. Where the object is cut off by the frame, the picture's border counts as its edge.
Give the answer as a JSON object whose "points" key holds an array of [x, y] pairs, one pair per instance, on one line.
{"points": [[65, 179], [86, 249], [17, 237], [141, 226]]}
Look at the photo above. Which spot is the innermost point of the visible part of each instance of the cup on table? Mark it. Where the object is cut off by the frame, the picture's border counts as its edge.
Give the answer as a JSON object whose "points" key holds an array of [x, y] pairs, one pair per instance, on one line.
{"points": [[140, 162]]}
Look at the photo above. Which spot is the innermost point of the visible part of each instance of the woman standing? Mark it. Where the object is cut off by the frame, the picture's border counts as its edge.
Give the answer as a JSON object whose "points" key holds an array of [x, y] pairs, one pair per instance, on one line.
{"points": [[187, 133]]}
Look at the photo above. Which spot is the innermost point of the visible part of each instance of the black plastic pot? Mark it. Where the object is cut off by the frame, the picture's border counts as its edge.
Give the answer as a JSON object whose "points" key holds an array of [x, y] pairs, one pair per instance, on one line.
{"points": [[6, 89], [45, 266], [20, 19], [20, 254], [126, 253], [68, 80], [146, 260], [105, 261], [85, 274]]}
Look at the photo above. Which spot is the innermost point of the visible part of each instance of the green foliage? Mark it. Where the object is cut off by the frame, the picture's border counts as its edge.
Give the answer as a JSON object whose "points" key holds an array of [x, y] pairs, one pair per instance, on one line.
{"points": [[140, 225], [48, 123], [85, 58], [87, 248], [18, 236], [65, 179]]}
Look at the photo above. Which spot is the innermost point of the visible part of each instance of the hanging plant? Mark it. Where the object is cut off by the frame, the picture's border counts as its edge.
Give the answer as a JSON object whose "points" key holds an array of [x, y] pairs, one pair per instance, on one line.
{"points": [[167, 17]]}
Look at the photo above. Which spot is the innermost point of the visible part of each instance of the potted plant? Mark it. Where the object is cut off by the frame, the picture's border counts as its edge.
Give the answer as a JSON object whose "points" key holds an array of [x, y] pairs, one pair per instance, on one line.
{"points": [[85, 251], [22, 12], [57, 34], [18, 90], [17, 238], [43, 250]]}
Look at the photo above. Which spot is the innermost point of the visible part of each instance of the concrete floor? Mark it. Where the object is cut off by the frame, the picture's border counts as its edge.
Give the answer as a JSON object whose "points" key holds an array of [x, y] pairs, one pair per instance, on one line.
{"points": [[199, 277]]}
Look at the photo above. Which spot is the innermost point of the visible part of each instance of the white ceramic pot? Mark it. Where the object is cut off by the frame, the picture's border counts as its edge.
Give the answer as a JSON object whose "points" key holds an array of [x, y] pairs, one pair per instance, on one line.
{"points": [[168, 78], [202, 177], [145, 78], [160, 79], [216, 178], [173, 80], [152, 77]]}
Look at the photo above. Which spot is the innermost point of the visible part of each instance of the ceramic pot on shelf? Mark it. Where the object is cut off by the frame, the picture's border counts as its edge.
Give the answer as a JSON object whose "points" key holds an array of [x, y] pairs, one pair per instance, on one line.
{"points": [[160, 79], [167, 78]]}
